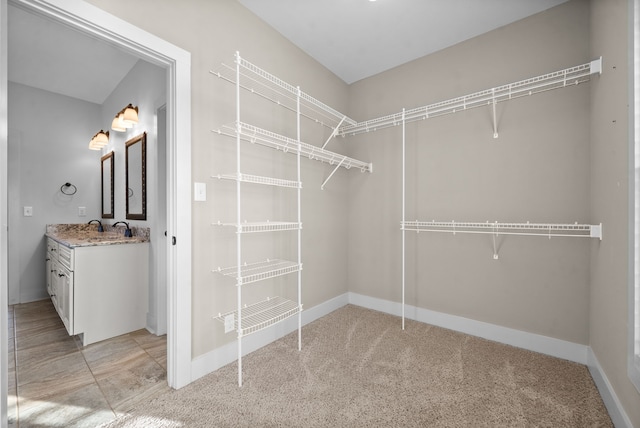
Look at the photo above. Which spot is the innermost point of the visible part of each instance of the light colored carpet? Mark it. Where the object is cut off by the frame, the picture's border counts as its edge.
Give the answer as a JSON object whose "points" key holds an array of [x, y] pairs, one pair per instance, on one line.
{"points": [[357, 368]]}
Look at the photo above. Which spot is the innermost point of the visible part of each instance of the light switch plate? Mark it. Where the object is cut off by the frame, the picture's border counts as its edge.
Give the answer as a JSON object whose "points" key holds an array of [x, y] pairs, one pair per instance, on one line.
{"points": [[28, 211], [199, 191]]}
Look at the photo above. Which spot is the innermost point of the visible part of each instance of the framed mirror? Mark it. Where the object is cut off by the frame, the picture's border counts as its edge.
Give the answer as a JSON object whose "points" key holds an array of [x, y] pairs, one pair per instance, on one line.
{"points": [[136, 177], [107, 168]]}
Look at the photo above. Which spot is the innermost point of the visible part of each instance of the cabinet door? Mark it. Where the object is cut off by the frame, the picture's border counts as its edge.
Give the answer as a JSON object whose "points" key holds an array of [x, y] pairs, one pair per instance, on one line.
{"points": [[49, 273], [64, 296], [53, 283]]}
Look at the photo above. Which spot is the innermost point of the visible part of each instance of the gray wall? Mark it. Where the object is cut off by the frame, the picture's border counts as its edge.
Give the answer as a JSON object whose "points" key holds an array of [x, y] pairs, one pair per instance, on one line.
{"points": [[48, 140], [608, 315], [537, 171]]}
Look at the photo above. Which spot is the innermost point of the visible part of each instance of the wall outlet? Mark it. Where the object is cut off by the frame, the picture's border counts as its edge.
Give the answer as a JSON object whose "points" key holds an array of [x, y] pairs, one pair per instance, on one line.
{"points": [[28, 211], [82, 211], [229, 321]]}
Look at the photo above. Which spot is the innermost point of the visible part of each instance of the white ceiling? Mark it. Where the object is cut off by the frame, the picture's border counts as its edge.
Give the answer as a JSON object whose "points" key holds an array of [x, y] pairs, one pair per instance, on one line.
{"points": [[359, 38], [47, 55], [352, 38]]}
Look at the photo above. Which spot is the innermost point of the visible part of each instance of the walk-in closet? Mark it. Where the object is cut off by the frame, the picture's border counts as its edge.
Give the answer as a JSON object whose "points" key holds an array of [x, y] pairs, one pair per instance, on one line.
{"points": [[257, 90]]}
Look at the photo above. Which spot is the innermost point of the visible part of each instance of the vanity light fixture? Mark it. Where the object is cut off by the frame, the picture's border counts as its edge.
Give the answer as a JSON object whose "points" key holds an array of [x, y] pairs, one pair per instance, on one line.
{"points": [[99, 140], [125, 119]]}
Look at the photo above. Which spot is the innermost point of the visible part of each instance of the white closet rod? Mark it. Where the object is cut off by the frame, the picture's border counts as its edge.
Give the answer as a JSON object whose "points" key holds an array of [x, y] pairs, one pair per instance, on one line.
{"points": [[555, 80], [496, 228]]}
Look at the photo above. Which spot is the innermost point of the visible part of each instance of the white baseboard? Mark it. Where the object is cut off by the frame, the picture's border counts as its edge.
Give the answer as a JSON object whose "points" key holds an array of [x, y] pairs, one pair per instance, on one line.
{"points": [[211, 361], [34, 296], [151, 323], [533, 342], [616, 411]]}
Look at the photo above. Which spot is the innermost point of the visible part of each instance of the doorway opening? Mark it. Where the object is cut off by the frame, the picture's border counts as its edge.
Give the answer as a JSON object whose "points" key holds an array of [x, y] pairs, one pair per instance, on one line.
{"points": [[102, 26]]}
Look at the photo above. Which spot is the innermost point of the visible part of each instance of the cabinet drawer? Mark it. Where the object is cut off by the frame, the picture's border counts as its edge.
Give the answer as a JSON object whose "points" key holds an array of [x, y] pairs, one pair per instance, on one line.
{"points": [[65, 257], [52, 246]]}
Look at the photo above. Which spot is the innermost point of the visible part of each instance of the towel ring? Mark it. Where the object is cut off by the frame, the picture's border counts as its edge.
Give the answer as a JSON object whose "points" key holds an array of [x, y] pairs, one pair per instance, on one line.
{"points": [[68, 189]]}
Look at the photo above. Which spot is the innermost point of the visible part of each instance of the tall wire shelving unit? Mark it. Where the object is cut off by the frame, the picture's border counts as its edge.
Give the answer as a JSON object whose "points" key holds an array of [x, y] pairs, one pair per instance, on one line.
{"points": [[248, 319]]}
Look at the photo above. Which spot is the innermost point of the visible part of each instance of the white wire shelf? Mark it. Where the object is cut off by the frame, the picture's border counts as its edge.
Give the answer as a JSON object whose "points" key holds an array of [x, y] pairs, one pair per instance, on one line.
{"points": [[256, 179], [264, 84], [259, 271], [262, 315], [496, 228], [264, 226], [555, 80], [270, 139]]}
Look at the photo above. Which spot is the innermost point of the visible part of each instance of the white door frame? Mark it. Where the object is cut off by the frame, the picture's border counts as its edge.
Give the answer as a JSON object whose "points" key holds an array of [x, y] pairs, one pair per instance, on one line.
{"points": [[104, 26], [4, 259]]}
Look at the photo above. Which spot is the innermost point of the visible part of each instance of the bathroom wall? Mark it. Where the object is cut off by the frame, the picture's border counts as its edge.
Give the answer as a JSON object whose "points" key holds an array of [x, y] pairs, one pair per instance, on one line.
{"points": [[144, 86], [48, 139]]}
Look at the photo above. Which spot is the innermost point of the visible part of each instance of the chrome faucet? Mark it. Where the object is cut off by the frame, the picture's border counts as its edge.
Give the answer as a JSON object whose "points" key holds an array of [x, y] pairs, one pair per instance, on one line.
{"points": [[100, 228], [127, 231]]}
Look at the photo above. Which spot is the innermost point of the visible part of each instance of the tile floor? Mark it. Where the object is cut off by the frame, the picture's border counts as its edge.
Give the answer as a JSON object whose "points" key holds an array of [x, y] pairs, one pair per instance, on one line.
{"points": [[56, 382]]}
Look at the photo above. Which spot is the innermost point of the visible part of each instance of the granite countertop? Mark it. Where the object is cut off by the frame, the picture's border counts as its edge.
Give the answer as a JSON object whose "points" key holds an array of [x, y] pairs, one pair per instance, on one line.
{"points": [[86, 235]]}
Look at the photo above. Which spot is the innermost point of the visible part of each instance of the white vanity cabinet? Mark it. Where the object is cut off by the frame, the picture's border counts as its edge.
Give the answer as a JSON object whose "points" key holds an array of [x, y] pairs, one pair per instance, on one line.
{"points": [[99, 291]]}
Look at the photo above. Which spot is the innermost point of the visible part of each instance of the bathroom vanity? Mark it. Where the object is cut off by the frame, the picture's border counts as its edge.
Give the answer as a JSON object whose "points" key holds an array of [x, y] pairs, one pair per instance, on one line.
{"points": [[98, 282]]}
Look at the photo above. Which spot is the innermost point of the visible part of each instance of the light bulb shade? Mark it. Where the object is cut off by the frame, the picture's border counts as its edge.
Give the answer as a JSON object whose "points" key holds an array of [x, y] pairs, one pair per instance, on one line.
{"points": [[102, 137], [93, 146], [117, 124], [122, 122], [130, 115]]}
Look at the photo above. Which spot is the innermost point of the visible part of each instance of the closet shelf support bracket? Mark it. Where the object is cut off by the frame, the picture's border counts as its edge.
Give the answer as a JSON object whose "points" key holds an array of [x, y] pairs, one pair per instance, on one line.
{"points": [[335, 131], [596, 231], [495, 244], [332, 172], [596, 66]]}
